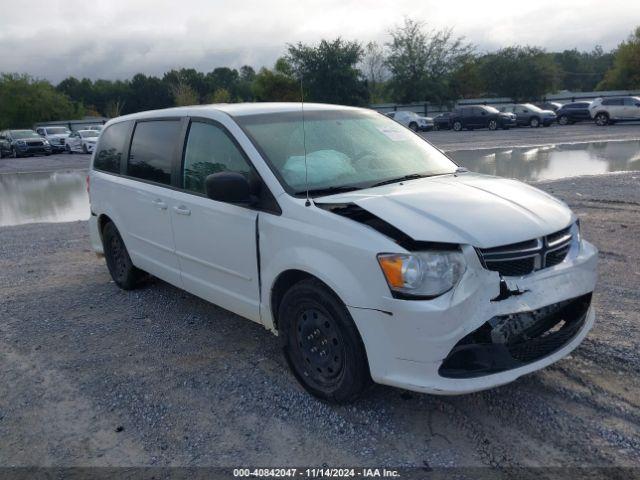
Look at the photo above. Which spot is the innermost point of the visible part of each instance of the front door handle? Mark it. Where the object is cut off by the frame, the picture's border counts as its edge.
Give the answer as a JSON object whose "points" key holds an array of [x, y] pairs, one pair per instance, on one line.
{"points": [[160, 204], [182, 210]]}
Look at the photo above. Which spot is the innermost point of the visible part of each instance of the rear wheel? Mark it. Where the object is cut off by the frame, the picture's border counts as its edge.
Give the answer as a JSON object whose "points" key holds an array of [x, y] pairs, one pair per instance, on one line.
{"points": [[493, 124], [123, 272], [457, 125], [602, 119], [321, 343], [534, 122], [413, 126]]}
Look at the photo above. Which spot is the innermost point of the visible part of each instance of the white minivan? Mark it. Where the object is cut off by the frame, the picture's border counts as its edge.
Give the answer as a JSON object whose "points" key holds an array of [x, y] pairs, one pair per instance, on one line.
{"points": [[367, 250]]}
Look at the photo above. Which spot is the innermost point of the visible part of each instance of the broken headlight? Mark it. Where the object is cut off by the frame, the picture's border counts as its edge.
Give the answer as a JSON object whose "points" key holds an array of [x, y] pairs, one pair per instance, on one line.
{"points": [[422, 274]]}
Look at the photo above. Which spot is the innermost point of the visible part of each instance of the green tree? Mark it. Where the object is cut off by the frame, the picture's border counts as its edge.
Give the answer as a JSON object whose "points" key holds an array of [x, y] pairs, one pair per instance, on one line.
{"points": [[25, 101], [329, 71], [581, 71], [421, 62], [625, 73], [275, 86], [520, 73], [183, 94], [375, 70]]}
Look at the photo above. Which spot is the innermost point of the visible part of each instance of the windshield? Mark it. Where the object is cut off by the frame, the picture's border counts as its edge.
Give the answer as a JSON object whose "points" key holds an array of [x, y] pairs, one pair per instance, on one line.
{"points": [[345, 149], [57, 131], [531, 107], [88, 133], [20, 134]]}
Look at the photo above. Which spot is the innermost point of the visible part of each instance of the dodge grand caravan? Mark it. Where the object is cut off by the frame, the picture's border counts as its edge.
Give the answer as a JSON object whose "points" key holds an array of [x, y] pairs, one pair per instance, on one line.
{"points": [[366, 250]]}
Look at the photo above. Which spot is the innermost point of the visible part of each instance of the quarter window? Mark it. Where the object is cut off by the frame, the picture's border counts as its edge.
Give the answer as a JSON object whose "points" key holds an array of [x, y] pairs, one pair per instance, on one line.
{"points": [[110, 148], [152, 150], [210, 150]]}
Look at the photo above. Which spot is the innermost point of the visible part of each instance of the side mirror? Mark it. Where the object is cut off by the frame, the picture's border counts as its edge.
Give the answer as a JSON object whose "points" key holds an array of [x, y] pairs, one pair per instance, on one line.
{"points": [[229, 187]]}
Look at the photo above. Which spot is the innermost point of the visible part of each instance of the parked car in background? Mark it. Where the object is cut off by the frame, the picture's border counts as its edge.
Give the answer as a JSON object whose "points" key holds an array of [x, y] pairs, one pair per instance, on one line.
{"points": [[82, 141], [23, 143], [404, 269], [97, 128], [412, 120], [553, 106], [481, 116], [573, 112], [442, 121], [55, 135], [616, 109], [530, 115]]}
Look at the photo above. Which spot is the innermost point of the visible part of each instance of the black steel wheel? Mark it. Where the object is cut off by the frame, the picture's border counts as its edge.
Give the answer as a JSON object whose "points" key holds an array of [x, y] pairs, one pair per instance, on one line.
{"points": [[122, 270], [321, 343]]}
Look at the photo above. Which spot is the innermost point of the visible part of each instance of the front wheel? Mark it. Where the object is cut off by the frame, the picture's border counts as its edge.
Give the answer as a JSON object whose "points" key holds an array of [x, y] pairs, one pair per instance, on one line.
{"points": [[68, 149], [14, 153], [413, 126], [493, 125], [84, 148], [321, 343], [436, 127], [534, 122], [122, 270], [457, 125], [563, 120]]}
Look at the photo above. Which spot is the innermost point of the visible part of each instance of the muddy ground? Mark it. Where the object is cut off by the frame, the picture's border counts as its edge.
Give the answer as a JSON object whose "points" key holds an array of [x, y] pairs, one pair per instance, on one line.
{"points": [[94, 376]]}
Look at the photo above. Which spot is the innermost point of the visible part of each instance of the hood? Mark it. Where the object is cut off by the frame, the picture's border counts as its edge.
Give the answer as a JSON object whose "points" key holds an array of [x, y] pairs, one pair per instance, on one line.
{"points": [[548, 113], [468, 208], [58, 135]]}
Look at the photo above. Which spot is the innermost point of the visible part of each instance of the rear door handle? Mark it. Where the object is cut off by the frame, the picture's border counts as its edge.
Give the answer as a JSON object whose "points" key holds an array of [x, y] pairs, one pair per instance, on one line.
{"points": [[160, 204], [182, 210]]}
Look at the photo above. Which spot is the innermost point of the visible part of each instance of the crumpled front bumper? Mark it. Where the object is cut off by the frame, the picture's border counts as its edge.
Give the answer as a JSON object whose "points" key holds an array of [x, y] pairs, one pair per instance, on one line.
{"points": [[407, 341]]}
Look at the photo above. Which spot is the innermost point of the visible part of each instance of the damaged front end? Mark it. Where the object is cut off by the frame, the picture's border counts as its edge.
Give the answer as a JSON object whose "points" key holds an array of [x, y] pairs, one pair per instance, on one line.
{"points": [[510, 341]]}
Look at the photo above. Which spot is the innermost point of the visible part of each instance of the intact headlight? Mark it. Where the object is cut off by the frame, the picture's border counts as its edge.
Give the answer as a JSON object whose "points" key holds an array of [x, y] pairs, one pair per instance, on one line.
{"points": [[425, 274]]}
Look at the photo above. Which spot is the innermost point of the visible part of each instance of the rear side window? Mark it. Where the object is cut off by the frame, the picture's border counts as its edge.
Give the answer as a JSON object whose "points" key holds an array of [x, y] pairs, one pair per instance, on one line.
{"points": [[152, 150], [110, 148], [612, 101], [210, 150]]}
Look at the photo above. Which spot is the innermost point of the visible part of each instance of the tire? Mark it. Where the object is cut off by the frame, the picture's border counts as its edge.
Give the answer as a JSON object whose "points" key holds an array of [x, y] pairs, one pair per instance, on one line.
{"points": [[14, 153], [122, 271], [436, 127], [68, 149], [504, 127], [493, 125], [457, 125], [321, 343], [563, 120], [602, 119], [534, 122], [84, 149], [413, 126]]}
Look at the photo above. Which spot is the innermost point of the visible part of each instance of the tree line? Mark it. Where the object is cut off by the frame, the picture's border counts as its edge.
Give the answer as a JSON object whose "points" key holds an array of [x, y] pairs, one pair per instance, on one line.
{"points": [[416, 65]]}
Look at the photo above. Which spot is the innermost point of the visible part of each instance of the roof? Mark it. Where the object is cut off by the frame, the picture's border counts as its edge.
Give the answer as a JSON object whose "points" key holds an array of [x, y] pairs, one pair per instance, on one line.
{"points": [[235, 109]]}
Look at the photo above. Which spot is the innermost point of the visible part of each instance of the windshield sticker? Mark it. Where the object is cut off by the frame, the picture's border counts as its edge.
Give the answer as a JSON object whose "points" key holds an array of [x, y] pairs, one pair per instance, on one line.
{"points": [[394, 134]]}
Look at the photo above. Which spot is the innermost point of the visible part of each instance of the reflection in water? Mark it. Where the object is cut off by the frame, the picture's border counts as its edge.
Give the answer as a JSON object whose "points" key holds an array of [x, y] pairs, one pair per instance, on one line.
{"points": [[552, 161], [62, 196], [43, 197]]}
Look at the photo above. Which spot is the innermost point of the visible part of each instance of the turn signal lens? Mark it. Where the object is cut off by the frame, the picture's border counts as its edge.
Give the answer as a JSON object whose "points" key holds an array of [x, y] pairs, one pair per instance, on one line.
{"points": [[392, 268]]}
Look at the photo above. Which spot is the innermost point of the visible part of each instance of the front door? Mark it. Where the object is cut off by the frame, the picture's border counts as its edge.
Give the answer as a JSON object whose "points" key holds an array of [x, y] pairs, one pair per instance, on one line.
{"points": [[215, 241]]}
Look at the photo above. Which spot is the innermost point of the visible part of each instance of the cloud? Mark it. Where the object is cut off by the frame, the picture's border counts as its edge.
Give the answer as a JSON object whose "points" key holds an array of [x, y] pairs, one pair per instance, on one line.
{"points": [[54, 39]]}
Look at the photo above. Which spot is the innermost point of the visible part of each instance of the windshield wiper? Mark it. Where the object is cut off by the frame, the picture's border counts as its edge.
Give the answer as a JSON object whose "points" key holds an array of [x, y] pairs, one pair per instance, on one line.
{"points": [[411, 176], [329, 190]]}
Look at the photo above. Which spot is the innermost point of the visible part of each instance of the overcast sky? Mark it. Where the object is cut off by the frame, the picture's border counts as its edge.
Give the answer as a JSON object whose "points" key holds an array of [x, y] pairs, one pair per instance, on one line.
{"points": [[115, 39]]}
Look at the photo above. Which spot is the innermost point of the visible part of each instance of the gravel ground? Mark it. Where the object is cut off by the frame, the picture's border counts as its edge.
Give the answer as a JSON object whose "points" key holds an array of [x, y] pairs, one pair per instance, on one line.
{"points": [[94, 376]]}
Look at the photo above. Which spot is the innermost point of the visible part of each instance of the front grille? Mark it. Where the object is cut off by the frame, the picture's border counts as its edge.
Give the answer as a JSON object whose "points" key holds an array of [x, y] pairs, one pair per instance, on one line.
{"points": [[35, 143], [523, 258]]}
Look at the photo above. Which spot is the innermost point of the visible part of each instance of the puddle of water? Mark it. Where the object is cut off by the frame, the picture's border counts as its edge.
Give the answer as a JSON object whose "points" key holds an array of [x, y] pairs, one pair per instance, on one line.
{"points": [[43, 197], [62, 196], [551, 162]]}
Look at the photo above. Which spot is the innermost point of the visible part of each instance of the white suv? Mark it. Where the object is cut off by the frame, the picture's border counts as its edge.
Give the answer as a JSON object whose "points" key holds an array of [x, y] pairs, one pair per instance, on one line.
{"points": [[412, 120], [616, 109], [368, 251]]}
